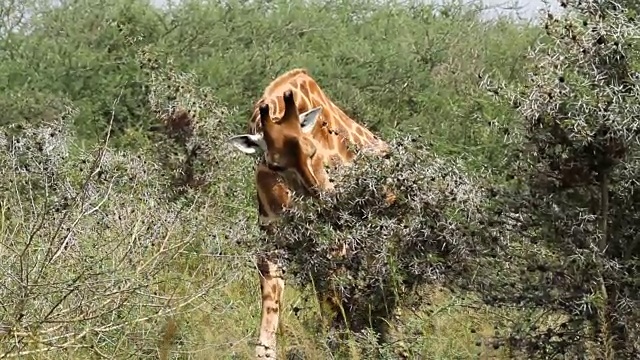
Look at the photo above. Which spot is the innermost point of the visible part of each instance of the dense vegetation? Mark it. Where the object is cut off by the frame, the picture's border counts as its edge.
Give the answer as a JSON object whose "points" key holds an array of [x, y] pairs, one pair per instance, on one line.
{"points": [[128, 224]]}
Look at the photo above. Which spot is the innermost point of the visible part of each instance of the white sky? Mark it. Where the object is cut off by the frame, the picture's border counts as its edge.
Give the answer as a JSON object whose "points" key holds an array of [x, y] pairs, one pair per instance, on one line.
{"points": [[522, 9]]}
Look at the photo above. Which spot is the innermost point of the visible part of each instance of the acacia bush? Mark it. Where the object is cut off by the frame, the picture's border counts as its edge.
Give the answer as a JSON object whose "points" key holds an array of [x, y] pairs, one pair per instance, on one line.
{"points": [[574, 184], [103, 250], [494, 203], [421, 235], [73, 244], [191, 125]]}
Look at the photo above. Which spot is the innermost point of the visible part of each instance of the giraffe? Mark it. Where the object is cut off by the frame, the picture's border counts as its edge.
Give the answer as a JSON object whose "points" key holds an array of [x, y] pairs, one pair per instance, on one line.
{"points": [[298, 132]]}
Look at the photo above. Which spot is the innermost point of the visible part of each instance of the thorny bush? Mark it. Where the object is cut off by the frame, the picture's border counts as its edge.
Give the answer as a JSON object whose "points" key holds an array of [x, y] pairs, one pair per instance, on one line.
{"points": [[574, 189], [95, 256], [192, 125], [392, 246]]}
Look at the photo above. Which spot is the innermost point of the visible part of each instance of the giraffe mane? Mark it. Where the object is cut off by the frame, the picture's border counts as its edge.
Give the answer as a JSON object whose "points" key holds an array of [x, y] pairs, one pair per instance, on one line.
{"points": [[283, 79]]}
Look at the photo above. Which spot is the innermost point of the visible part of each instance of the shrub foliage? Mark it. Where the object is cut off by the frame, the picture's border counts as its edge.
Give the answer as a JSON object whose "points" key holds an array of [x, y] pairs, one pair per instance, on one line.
{"points": [[393, 244], [122, 206], [575, 179]]}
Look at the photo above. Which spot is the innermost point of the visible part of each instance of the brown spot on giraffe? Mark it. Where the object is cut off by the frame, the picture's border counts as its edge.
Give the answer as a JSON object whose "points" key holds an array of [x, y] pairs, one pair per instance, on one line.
{"points": [[298, 132]]}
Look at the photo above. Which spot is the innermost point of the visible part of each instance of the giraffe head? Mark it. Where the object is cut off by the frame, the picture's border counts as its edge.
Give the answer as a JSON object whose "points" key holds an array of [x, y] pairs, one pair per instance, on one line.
{"points": [[286, 144]]}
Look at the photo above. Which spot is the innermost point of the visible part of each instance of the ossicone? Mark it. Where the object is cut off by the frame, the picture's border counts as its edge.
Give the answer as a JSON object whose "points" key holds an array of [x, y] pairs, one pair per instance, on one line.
{"points": [[264, 111], [290, 109], [288, 96], [265, 120]]}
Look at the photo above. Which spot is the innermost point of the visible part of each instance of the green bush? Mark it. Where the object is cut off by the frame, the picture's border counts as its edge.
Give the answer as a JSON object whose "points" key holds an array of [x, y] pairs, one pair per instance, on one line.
{"points": [[123, 206], [575, 174], [422, 80], [103, 249], [392, 247]]}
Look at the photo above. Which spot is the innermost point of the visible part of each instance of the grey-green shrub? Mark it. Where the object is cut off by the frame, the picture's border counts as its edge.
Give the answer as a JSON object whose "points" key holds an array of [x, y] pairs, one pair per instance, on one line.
{"points": [[574, 176]]}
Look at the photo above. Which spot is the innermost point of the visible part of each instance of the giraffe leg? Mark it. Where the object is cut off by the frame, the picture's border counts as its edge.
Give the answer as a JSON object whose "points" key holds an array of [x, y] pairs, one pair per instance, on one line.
{"points": [[330, 302], [281, 327], [272, 289]]}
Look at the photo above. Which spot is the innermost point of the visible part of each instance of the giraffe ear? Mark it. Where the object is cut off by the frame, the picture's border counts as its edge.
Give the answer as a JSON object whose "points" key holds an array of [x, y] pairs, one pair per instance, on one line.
{"points": [[249, 143], [309, 118]]}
